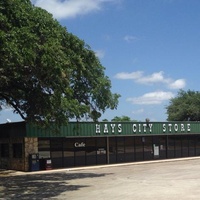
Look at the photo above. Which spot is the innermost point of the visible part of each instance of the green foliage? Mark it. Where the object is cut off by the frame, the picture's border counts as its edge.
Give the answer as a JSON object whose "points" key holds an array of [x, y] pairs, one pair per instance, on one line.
{"points": [[121, 119], [47, 74], [185, 106]]}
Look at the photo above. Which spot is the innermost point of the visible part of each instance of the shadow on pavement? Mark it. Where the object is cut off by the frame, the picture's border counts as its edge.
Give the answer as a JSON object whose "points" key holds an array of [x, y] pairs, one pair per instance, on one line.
{"points": [[40, 186]]}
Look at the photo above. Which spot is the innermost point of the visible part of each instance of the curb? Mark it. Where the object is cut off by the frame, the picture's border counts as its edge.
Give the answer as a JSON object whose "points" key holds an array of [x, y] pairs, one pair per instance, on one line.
{"points": [[18, 173]]}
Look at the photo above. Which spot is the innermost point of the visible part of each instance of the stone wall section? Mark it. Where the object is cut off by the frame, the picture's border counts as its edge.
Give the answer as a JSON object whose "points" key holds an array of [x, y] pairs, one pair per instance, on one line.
{"points": [[30, 147]]}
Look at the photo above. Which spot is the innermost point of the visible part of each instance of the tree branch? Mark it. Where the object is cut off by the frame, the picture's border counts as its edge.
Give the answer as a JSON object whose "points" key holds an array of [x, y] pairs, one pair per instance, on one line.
{"points": [[14, 105]]}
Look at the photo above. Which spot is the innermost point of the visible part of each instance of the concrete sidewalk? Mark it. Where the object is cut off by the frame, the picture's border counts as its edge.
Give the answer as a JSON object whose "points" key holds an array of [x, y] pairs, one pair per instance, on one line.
{"points": [[166, 179], [15, 173]]}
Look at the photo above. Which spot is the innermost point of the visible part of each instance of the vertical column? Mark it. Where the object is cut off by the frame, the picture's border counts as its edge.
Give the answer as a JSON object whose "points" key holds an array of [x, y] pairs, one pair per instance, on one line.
{"points": [[108, 152], [30, 147]]}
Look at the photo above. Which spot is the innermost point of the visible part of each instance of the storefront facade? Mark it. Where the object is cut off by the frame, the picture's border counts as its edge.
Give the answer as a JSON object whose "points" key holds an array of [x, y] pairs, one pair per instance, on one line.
{"points": [[88, 143]]}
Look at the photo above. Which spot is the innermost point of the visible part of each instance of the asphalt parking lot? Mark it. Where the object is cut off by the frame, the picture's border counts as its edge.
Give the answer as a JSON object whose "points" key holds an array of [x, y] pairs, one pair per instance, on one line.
{"points": [[177, 179]]}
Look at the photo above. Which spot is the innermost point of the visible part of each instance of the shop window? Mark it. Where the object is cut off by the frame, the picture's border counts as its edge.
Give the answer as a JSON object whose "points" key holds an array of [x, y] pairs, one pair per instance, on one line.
{"points": [[44, 148], [148, 147], [56, 144], [4, 150], [113, 150], [91, 151], [171, 147], [139, 148], [17, 150], [163, 142], [43, 144], [192, 145], [197, 145], [185, 146], [178, 146], [101, 146], [129, 149], [120, 149], [68, 152], [80, 151]]}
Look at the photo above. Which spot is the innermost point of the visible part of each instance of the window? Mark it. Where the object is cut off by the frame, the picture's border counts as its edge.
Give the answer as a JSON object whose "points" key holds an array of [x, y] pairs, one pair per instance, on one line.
{"points": [[44, 148], [17, 150], [4, 150], [43, 144], [129, 149]]}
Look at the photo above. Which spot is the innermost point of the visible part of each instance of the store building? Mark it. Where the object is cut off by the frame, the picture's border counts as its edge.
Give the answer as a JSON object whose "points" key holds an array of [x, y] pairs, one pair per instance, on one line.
{"points": [[89, 143]]}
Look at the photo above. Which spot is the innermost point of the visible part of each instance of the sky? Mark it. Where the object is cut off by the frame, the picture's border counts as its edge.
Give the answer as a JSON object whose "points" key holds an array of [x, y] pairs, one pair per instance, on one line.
{"points": [[150, 49]]}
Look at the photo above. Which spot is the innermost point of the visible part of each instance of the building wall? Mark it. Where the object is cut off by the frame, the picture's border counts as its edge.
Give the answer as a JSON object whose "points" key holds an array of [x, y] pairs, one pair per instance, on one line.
{"points": [[11, 156], [81, 144], [16, 162], [4, 161], [71, 152], [18, 150]]}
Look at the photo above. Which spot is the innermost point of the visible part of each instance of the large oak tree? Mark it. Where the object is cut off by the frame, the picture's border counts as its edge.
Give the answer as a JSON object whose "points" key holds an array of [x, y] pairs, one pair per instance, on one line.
{"points": [[185, 106], [46, 73]]}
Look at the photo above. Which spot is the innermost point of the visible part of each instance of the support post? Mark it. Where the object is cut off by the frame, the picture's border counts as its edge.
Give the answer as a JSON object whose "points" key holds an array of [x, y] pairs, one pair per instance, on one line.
{"points": [[108, 152]]}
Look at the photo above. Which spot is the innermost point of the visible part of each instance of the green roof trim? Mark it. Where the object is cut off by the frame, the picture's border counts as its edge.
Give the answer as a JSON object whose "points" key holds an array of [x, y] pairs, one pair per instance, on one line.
{"points": [[91, 129]]}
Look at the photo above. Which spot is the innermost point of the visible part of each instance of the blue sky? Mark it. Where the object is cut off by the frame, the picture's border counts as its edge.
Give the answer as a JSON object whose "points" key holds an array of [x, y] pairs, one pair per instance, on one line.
{"points": [[150, 48]]}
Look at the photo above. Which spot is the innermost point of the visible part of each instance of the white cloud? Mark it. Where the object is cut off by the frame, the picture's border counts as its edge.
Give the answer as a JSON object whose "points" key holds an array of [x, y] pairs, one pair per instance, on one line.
{"points": [[133, 75], [178, 84], [139, 111], [100, 53], [157, 77], [130, 38], [151, 98], [70, 8]]}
